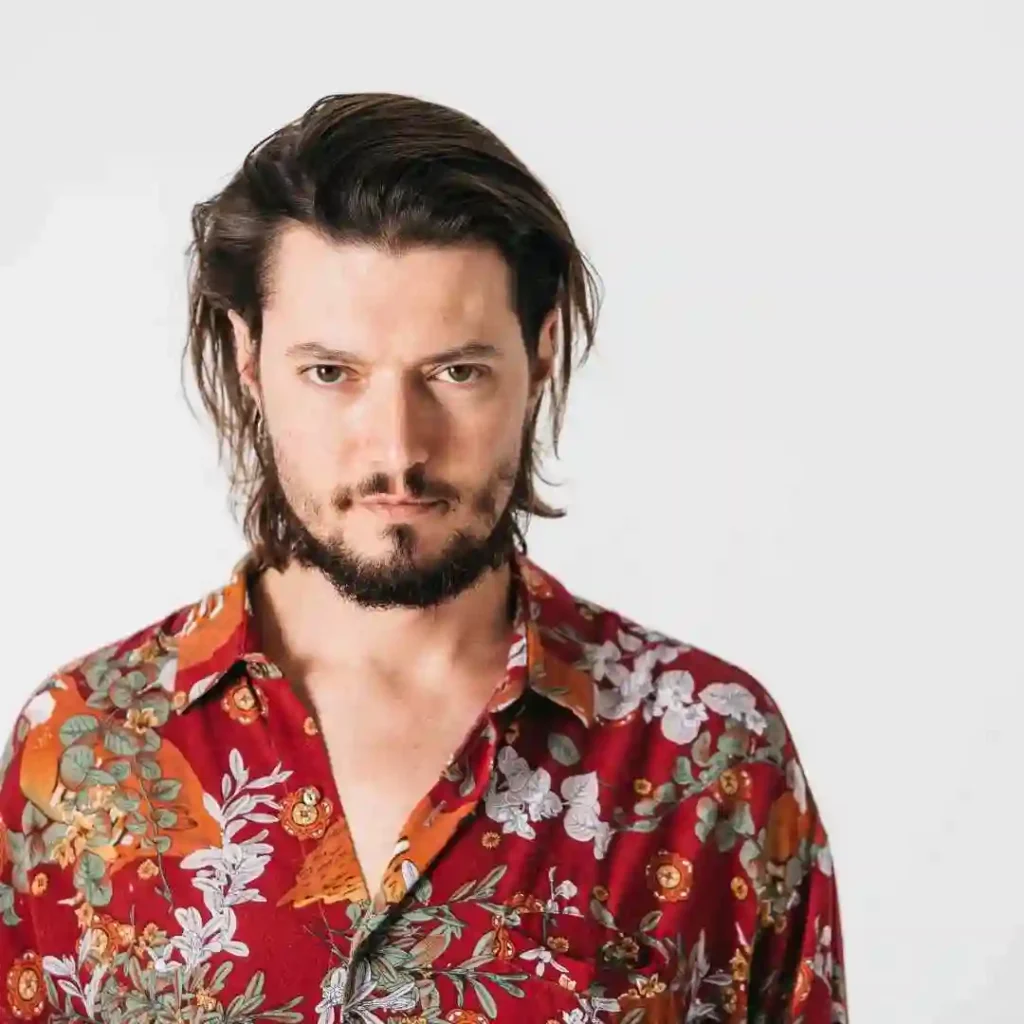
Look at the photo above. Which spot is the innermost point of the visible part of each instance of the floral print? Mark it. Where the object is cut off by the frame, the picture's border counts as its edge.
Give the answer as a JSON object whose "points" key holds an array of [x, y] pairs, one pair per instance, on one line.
{"points": [[627, 834]]}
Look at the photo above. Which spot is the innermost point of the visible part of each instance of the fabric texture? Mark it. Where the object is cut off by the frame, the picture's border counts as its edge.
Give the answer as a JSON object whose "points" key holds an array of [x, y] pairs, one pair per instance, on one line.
{"points": [[626, 834]]}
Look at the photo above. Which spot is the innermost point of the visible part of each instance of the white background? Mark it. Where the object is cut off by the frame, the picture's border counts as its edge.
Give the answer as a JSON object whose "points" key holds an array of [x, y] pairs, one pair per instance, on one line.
{"points": [[798, 444]]}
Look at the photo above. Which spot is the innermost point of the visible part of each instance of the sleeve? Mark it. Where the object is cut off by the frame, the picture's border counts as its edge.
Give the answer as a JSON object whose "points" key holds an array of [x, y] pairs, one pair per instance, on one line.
{"points": [[22, 982], [797, 965]]}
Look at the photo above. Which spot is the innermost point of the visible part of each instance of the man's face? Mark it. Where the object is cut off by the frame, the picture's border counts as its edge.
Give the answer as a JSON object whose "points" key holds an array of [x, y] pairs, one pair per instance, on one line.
{"points": [[394, 390]]}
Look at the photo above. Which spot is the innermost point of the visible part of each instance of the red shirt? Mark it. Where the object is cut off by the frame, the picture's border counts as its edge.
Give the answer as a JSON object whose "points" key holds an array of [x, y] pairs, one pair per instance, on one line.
{"points": [[626, 834]]}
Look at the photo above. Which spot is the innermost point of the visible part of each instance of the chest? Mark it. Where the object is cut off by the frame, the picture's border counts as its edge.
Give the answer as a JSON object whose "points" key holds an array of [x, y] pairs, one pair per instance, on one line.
{"points": [[384, 761]]}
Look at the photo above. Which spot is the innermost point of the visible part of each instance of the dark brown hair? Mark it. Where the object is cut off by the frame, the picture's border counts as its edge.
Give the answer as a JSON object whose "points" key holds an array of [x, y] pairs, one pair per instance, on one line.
{"points": [[394, 171]]}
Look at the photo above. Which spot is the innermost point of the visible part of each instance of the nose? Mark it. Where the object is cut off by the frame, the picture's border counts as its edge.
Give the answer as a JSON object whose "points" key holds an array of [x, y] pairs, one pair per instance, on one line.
{"points": [[399, 428]]}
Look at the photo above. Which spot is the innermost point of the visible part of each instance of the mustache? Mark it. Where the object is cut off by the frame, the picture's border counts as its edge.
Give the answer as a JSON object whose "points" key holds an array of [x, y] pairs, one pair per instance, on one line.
{"points": [[416, 483]]}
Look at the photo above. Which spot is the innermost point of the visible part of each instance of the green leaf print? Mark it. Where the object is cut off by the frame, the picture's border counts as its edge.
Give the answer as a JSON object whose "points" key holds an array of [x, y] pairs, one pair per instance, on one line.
{"points": [[90, 867], [487, 1003], [563, 750], [742, 820], [725, 835], [165, 789], [682, 774], [121, 694], [121, 741], [733, 745], [76, 727], [148, 769], [74, 763], [601, 913], [701, 750], [7, 911], [165, 818]]}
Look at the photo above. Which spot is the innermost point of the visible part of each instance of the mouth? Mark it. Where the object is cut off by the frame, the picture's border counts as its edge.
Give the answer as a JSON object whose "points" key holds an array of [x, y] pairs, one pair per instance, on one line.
{"points": [[400, 508]]}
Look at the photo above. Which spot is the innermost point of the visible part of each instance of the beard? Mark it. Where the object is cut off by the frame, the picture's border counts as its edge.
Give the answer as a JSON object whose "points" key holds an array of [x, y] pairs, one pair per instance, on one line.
{"points": [[397, 580]]}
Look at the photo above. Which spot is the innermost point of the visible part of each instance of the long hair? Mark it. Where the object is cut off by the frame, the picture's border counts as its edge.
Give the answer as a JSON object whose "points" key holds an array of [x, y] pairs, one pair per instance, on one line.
{"points": [[393, 171]]}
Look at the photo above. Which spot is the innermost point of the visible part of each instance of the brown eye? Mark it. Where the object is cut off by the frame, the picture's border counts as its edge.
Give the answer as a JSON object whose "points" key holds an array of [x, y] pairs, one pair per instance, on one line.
{"points": [[462, 373], [326, 374]]}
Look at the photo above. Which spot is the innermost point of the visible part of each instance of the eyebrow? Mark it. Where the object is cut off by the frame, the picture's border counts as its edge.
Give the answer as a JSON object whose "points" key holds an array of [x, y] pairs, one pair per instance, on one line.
{"points": [[318, 350]]}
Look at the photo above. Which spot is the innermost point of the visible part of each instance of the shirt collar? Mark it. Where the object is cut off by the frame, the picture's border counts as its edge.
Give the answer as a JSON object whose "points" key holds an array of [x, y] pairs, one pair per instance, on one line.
{"points": [[215, 641]]}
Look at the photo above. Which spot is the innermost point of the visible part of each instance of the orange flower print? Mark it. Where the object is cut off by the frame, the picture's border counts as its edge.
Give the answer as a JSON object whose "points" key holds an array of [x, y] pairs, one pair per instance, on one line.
{"points": [[728, 782], [740, 889], [648, 987], [621, 952], [205, 1001], [558, 944], [85, 914], [731, 787], [309, 726], [25, 988], [635, 999], [304, 814], [489, 840], [642, 787], [39, 884], [244, 702], [151, 936], [79, 829], [786, 827], [740, 966], [670, 876], [802, 988], [148, 869], [107, 937], [141, 719], [465, 1017], [530, 904], [502, 947]]}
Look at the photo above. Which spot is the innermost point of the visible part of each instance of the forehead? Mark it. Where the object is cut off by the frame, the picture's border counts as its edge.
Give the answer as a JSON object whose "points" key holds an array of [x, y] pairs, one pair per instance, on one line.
{"points": [[353, 292]]}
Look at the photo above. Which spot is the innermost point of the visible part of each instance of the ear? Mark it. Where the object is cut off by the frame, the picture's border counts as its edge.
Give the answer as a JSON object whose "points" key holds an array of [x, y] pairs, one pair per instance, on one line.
{"points": [[544, 361], [245, 356]]}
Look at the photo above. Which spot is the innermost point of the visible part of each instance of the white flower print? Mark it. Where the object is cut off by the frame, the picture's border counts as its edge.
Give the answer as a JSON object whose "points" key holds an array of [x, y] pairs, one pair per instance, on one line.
{"points": [[359, 1005], [545, 958], [333, 995], [604, 661], [225, 873], [527, 798], [631, 687], [583, 817], [734, 701], [673, 703], [589, 1010], [565, 890], [67, 971]]}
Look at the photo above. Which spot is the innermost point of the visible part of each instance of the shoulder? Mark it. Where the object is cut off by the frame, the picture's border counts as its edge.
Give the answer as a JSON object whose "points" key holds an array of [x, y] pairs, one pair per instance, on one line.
{"points": [[714, 725], [641, 674], [109, 676]]}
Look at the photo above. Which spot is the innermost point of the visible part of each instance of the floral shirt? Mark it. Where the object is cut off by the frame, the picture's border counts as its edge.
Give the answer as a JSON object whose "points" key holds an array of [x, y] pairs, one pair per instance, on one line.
{"points": [[626, 834]]}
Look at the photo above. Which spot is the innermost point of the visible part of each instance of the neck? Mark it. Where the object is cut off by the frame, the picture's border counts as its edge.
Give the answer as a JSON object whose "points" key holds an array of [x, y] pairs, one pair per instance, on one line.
{"points": [[310, 629]]}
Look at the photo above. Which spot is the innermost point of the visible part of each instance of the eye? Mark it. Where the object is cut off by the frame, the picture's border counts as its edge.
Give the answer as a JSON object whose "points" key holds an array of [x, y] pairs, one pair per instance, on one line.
{"points": [[325, 373], [464, 373]]}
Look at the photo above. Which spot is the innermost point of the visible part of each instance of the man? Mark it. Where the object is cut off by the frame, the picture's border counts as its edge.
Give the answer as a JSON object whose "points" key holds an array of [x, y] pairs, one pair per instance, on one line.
{"points": [[393, 770]]}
